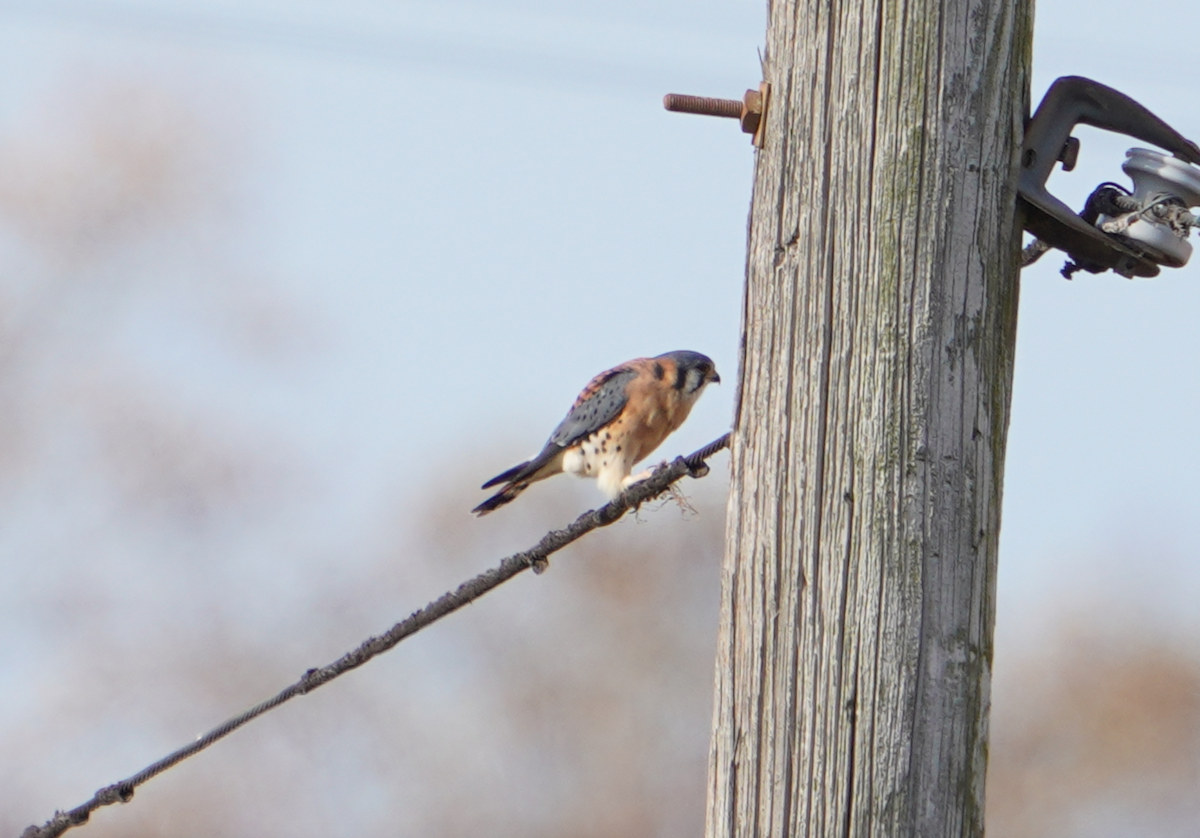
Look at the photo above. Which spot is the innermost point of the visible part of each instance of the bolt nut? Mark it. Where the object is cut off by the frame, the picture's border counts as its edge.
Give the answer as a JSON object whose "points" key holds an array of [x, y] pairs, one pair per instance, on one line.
{"points": [[1069, 155], [752, 108]]}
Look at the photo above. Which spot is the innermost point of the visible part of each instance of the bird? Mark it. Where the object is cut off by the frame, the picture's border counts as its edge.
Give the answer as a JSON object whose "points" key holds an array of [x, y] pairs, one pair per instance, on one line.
{"points": [[621, 416]]}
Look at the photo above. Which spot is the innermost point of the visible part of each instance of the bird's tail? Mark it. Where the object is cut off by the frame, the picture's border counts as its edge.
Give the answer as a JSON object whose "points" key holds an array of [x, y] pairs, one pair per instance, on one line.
{"points": [[518, 478], [498, 500], [513, 474]]}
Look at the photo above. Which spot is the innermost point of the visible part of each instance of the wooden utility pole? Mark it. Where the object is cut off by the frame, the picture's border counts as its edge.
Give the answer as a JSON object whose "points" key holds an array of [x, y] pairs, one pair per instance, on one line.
{"points": [[855, 651]]}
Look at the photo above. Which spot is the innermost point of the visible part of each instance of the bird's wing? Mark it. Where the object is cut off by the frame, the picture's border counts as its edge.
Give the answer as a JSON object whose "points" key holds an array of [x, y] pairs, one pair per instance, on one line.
{"points": [[601, 401]]}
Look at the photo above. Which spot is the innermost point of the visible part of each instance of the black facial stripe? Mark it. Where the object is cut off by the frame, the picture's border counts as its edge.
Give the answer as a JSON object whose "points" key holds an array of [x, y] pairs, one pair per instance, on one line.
{"points": [[680, 376], [659, 372]]}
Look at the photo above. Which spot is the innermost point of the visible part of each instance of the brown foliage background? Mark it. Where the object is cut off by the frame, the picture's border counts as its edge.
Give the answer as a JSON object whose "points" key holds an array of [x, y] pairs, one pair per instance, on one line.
{"points": [[151, 590]]}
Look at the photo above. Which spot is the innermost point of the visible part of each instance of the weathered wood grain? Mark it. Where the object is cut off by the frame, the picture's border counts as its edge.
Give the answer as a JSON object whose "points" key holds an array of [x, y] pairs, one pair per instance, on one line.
{"points": [[858, 603]]}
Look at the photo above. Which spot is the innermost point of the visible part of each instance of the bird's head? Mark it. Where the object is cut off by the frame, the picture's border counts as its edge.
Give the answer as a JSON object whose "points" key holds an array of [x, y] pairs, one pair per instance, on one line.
{"points": [[694, 371]]}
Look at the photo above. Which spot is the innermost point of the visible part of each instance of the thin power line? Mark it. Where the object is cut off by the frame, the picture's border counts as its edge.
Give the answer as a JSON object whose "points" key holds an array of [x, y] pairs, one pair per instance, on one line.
{"points": [[535, 558], [385, 45]]}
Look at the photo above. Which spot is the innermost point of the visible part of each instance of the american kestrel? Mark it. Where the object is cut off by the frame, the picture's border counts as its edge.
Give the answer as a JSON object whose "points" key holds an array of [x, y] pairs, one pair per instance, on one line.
{"points": [[620, 418]]}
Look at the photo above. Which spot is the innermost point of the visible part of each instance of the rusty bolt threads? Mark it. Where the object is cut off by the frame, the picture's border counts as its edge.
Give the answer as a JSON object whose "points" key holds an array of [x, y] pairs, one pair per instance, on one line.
{"points": [[748, 111], [729, 108]]}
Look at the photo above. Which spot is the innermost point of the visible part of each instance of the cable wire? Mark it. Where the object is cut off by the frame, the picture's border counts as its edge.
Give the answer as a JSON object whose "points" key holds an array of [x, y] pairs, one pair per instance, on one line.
{"points": [[537, 559]]}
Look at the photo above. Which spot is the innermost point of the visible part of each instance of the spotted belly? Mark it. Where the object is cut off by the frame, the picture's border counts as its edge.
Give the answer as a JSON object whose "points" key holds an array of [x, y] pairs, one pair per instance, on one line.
{"points": [[602, 456]]}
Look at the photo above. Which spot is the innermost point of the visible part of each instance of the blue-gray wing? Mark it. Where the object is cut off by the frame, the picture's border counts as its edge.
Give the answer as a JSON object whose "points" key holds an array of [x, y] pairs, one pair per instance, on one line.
{"points": [[600, 403]]}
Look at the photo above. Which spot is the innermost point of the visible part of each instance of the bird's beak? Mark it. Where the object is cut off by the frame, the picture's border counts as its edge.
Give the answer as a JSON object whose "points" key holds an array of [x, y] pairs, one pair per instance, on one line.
{"points": [[714, 378]]}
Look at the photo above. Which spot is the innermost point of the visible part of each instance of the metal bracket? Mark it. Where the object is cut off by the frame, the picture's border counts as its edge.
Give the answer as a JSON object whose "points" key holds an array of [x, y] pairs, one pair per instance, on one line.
{"points": [[1071, 101]]}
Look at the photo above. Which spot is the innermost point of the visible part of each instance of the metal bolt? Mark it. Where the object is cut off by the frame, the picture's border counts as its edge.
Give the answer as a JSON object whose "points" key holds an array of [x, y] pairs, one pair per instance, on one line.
{"points": [[703, 105], [1069, 155], [749, 111]]}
